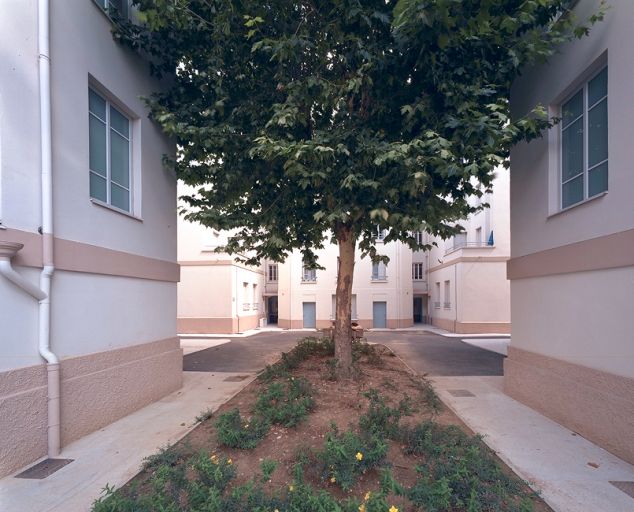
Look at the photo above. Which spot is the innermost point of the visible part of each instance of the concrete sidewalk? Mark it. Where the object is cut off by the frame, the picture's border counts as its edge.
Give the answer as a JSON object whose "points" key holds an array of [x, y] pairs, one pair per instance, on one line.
{"points": [[114, 454], [572, 474]]}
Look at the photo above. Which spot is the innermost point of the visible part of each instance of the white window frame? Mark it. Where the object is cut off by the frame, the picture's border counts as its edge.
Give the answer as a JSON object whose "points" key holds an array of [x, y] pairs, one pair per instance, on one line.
{"points": [[418, 271], [586, 170], [447, 301], [381, 271], [309, 275], [272, 273], [129, 138], [381, 233], [105, 6]]}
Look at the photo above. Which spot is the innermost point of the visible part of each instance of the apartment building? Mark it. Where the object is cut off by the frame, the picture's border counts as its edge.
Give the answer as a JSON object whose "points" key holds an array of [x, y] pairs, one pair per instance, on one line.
{"points": [[468, 289], [216, 293], [88, 266], [572, 220]]}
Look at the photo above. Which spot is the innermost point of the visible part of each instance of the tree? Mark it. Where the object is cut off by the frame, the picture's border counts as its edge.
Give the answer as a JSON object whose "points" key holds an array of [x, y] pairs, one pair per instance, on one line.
{"points": [[300, 122]]}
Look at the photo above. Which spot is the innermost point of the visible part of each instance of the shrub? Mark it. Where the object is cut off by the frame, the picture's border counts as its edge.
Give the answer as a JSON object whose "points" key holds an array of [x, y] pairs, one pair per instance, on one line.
{"points": [[267, 467], [382, 419], [213, 471], [286, 404], [427, 392], [204, 415], [234, 432], [305, 347], [347, 455], [166, 456]]}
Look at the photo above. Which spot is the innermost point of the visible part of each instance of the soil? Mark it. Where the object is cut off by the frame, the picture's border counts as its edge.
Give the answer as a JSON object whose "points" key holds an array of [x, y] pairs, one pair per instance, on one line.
{"points": [[335, 402]]}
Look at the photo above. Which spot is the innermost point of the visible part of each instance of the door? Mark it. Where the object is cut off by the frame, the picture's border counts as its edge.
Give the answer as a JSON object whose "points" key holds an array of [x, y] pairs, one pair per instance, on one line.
{"points": [[272, 309], [379, 315], [418, 310], [310, 315]]}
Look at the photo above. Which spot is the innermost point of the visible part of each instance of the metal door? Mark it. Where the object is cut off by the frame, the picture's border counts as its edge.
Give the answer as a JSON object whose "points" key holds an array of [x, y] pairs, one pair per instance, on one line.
{"points": [[379, 315], [310, 315]]}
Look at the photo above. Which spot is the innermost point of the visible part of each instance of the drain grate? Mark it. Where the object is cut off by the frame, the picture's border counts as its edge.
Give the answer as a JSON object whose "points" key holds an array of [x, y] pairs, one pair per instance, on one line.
{"points": [[626, 487], [461, 393], [236, 378], [43, 469]]}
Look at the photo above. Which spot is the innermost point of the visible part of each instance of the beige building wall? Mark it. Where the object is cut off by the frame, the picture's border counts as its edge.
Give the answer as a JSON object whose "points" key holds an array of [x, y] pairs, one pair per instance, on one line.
{"points": [[113, 298], [216, 294], [572, 270], [469, 292]]}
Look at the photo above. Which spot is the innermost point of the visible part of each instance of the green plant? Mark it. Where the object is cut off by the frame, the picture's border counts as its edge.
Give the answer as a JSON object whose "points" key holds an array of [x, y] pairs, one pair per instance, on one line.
{"points": [[331, 369], [213, 471], [267, 467], [286, 403], [427, 392], [347, 455], [381, 419], [204, 415], [166, 456], [362, 348], [235, 432], [305, 348]]}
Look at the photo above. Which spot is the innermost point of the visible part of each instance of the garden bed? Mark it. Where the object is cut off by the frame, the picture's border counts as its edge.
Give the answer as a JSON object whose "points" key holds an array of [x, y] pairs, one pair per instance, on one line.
{"points": [[298, 440]]}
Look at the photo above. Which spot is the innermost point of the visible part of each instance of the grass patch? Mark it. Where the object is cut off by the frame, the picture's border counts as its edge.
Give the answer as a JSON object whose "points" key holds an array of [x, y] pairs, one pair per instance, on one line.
{"points": [[235, 432]]}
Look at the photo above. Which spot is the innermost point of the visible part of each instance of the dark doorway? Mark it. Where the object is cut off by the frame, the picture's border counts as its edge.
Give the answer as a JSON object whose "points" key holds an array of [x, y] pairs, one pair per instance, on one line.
{"points": [[418, 310], [271, 308]]}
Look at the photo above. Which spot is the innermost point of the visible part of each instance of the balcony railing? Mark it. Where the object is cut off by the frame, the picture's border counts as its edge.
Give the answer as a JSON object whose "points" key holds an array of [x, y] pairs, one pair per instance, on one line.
{"points": [[379, 277], [447, 305], [255, 306], [246, 306], [437, 304], [466, 245]]}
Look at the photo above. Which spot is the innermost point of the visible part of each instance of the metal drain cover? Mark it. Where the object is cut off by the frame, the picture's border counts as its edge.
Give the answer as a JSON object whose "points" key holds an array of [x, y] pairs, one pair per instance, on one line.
{"points": [[43, 469], [460, 393], [626, 487], [236, 378]]}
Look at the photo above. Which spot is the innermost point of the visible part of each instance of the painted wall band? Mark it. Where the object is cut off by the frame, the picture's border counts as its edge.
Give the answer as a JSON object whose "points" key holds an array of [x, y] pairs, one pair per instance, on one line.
{"points": [[80, 257], [604, 252], [470, 259]]}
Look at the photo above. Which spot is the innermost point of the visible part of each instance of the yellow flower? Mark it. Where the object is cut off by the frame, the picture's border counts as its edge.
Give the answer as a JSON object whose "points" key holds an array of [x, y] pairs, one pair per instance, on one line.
{"points": [[393, 509], [229, 461], [291, 488], [333, 479], [362, 508], [359, 456], [367, 496]]}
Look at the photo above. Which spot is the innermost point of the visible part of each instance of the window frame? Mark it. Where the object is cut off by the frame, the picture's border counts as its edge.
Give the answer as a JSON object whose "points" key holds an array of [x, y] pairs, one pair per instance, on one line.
{"points": [[378, 277], [109, 104], [586, 108], [272, 268], [418, 271], [309, 275]]}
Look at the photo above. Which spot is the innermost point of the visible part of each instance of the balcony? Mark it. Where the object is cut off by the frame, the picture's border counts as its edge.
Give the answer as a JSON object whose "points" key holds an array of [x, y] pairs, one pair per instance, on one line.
{"points": [[447, 305], [246, 306], [467, 245]]}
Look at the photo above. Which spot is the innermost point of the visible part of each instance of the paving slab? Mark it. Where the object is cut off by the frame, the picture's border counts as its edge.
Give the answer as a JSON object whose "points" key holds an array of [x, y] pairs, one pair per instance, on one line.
{"points": [[114, 454], [571, 473]]}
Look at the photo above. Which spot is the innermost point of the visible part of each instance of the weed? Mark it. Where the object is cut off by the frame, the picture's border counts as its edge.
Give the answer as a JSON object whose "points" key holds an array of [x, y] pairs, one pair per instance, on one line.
{"points": [[381, 419], [204, 415], [235, 432], [267, 466], [331, 369], [286, 404], [305, 348], [166, 456], [372, 355], [427, 392], [347, 455]]}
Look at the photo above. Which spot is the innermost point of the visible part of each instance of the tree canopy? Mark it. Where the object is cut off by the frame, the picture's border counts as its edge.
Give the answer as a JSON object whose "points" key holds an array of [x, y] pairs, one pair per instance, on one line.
{"points": [[299, 120]]}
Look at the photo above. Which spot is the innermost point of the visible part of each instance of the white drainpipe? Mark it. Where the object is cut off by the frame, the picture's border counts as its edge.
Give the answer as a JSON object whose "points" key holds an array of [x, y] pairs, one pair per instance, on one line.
{"points": [[47, 230]]}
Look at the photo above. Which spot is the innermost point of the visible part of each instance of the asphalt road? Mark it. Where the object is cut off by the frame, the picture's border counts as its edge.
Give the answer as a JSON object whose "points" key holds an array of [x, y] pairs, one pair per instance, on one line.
{"points": [[424, 352]]}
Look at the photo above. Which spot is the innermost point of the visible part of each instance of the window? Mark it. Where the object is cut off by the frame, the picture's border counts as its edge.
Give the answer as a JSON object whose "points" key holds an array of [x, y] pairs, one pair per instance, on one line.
{"points": [[478, 236], [245, 305], [110, 141], [309, 274], [418, 236], [334, 307], [379, 271], [447, 303], [119, 7], [380, 234], [254, 304], [584, 141], [437, 301], [459, 240], [271, 275], [418, 272]]}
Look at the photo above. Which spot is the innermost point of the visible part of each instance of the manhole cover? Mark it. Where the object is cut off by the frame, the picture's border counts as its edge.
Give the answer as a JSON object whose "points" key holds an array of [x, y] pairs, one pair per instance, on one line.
{"points": [[460, 392], [626, 487], [43, 469], [236, 378]]}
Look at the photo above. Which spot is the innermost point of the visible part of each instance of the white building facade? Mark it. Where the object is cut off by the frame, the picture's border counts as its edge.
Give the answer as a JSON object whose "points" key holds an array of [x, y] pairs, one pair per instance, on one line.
{"points": [[108, 228], [572, 219]]}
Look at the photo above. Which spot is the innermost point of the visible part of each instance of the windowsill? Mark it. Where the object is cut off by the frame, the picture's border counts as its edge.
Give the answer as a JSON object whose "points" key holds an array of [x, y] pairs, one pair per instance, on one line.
{"points": [[379, 280], [306, 281], [580, 203], [114, 209]]}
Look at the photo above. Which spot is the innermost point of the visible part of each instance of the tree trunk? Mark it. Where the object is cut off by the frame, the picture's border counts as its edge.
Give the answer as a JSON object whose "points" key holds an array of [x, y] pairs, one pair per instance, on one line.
{"points": [[343, 321]]}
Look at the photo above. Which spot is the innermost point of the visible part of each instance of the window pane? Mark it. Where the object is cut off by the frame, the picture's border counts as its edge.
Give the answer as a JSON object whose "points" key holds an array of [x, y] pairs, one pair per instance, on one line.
{"points": [[572, 109], [598, 133], [572, 150], [119, 122], [98, 187], [572, 192], [119, 159], [598, 180], [96, 104], [119, 197], [97, 145], [598, 87]]}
